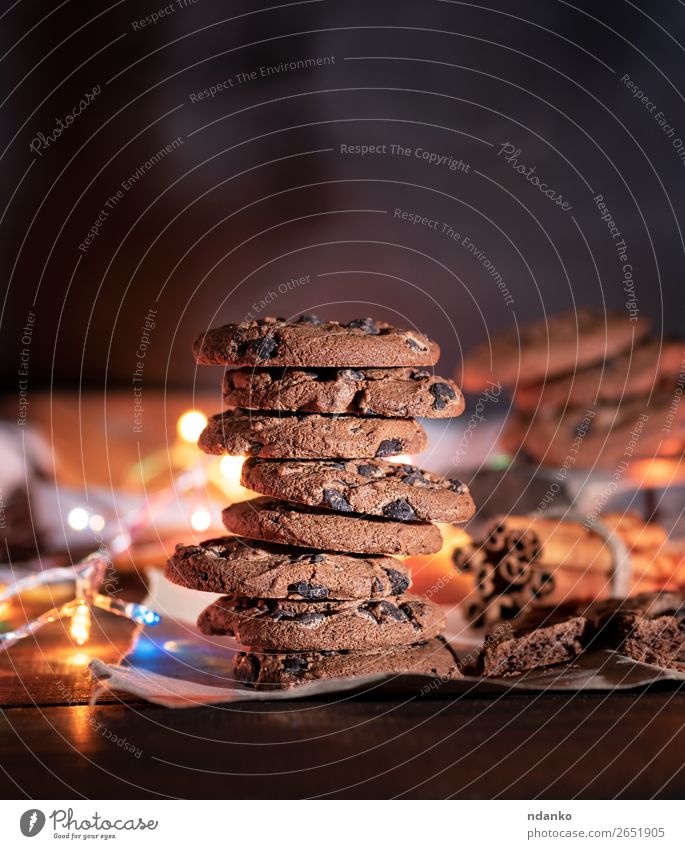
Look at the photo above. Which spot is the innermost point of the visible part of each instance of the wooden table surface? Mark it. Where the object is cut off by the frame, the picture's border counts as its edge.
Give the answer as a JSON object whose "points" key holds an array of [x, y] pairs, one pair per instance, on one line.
{"points": [[556, 747]]}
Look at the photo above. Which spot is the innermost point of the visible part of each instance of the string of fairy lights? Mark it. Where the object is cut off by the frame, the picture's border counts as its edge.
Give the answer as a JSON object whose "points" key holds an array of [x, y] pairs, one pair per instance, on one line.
{"points": [[194, 473]]}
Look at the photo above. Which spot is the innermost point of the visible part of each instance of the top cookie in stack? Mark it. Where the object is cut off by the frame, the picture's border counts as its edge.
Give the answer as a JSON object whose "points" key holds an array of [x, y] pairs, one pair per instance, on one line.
{"points": [[310, 342], [316, 407]]}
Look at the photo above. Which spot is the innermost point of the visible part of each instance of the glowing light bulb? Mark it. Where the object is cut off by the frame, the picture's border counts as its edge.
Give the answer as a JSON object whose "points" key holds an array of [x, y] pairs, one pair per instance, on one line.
{"points": [[200, 519], [499, 461], [80, 625], [402, 459], [97, 523], [144, 616], [231, 467], [78, 518], [190, 425], [121, 542]]}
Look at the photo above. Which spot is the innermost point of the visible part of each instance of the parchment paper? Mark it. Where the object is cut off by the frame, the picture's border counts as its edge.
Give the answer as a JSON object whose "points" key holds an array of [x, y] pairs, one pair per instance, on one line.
{"points": [[176, 666]]}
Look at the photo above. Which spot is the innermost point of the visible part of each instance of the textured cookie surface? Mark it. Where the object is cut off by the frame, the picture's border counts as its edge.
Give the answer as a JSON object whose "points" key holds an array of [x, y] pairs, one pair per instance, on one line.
{"points": [[310, 436], [552, 346], [308, 341], [510, 653], [647, 627], [264, 669], [660, 641], [291, 524], [238, 566], [401, 392], [371, 487], [323, 625]]}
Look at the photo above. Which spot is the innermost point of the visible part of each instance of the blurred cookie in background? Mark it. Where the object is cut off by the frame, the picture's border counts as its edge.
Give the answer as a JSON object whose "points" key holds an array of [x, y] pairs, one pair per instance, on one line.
{"points": [[550, 347]]}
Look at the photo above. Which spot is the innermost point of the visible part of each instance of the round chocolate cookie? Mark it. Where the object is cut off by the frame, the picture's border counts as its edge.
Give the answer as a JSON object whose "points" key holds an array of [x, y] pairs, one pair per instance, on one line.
{"points": [[310, 436], [276, 669], [309, 341], [606, 437], [243, 567], [547, 348], [306, 527], [323, 625], [400, 392], [652, 366], [371, 487]]}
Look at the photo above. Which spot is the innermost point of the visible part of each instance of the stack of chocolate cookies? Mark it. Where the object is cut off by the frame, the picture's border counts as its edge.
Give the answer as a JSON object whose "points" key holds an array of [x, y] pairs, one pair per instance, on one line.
{"points": [[589, 389], [311, 589]]}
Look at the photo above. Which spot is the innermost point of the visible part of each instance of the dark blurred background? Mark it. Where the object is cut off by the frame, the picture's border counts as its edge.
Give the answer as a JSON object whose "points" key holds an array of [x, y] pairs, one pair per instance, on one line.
{"points": [[225, 197]]}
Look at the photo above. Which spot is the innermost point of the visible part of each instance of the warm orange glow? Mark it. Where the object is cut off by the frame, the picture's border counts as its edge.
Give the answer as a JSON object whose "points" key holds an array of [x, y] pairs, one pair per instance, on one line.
{"points": [[80, 625], [200, 519], [230, 468], [225, 474], [434, 575], [669, 568], [78, 518], [672, 446], [402, 459], [657, 472], [190, 425]]}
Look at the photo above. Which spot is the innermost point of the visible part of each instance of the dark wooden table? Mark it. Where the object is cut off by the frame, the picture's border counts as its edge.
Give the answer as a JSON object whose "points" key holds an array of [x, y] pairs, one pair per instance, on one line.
{"points": [[550, 746], [553, 747]]}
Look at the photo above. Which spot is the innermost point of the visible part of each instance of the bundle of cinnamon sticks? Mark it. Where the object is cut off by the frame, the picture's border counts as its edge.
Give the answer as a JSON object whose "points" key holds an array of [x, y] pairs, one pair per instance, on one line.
{"points": [[524, 561]]}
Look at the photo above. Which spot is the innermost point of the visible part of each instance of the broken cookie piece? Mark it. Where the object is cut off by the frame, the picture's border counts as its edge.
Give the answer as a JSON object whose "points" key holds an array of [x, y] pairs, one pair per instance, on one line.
{"points": [[509, 652]]}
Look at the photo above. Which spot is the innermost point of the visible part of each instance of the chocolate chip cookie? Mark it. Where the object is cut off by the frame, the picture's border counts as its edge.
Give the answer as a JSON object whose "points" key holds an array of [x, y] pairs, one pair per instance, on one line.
{"points": [[547, 348], [243, 567], [309, 341], [651, 366], [276, 669], [401, 392], [323, 625], [602, 437], [310, 436], [371, 487], [293, 524]]}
